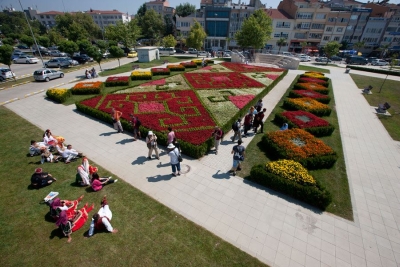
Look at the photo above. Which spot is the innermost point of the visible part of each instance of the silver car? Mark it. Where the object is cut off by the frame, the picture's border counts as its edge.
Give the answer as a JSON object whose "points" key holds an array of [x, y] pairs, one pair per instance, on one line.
{"points": [[26, 59], [57, 63], [6, 73], [47, 75]]}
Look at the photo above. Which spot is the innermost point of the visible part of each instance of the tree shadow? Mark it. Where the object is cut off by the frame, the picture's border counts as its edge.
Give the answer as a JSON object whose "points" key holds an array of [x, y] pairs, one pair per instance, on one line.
{"points": [[222, 175], [139, 161], [158, 178]]}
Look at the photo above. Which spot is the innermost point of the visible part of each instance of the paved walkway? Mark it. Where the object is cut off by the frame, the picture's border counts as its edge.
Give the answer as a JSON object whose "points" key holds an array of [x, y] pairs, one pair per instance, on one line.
{"points": [[277, 230]]}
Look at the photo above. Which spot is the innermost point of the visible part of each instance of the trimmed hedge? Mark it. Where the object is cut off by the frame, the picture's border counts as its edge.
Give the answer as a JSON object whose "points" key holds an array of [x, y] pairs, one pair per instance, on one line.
{"points": [[311, 163], [388, 72], [316, 195], [59, 95], [86, 91], [316, 131]]}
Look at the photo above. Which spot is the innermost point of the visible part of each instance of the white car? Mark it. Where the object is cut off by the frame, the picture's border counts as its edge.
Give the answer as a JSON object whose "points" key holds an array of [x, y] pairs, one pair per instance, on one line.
{"points": [[6, 73], [305, 58], [26, 59], [379, 62], [203, 54]]}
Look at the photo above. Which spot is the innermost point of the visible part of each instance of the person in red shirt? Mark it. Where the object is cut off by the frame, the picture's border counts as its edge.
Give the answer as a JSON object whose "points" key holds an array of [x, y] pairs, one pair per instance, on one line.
{"points": [[217, 134], [247, 123], [258, 121]]}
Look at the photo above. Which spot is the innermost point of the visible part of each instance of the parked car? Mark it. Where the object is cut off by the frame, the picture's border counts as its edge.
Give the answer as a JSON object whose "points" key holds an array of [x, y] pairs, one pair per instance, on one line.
{"points": [[166, 51], [322, 59], [106, 54], [22, 46], [227, 53], [89, 58], [305, 58], [336, 58], [42, 52], [370, 59], [379, 62], [47, 75], [57, 63], [192, 51], [5, 74], [82, 59], [180, 51], [203, 54], [26, 59], [71, 61], [132, 54], [17, 55], [356, 60]]}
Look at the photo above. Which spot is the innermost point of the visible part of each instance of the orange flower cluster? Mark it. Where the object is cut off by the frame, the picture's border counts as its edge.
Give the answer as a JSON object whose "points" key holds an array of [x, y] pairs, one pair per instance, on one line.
{"points": [[88, 85], [299, 144], [308, 104], [310, 86]]}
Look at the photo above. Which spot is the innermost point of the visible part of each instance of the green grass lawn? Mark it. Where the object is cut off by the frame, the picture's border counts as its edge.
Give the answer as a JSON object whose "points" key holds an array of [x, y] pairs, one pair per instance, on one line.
{"points": [[144, 65], [390, 93], [309, 68], [335, 178], [150, 234]]}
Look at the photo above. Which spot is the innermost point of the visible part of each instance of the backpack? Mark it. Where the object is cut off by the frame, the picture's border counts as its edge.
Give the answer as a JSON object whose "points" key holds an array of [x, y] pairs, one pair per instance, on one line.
{"points": [[235, 126]]}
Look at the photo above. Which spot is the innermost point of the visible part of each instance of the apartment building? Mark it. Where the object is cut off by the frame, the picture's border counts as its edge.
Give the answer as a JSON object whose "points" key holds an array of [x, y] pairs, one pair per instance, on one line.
{"points": [[183, 24], [161, 7], [335, 27], [282, 27], [373, 33]]}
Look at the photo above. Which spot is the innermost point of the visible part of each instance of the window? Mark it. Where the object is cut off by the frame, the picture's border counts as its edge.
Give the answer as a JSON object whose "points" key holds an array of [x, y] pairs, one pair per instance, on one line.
{"points": [[391, 29], [387, 39], [304, 25], [329, 29], [340, 29], [304, 15], [346, 37], [331, 19], [344, 20], [354, 17], [317, 26], [300, 35], [281, 35], [281, 24], [337, 38], [326, 38], [320, 16], [355, 37], [315, 35], [349, 28], [41, 16], [47, 16]]}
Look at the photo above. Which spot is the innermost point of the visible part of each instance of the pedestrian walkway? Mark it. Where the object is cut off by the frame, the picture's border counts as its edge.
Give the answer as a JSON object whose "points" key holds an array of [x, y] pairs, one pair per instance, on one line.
{"points": [[276, 229]]}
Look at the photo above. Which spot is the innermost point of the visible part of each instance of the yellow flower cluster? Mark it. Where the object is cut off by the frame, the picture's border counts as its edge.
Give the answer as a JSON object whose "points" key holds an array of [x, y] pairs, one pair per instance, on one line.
{"points": [[314, 75], [291, 170], [141, 73], [57, 92]]}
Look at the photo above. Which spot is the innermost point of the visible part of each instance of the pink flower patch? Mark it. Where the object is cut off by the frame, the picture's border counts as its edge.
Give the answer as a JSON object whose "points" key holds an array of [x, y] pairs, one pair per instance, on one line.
{"points": [[241, 100], [156, 82], [220, 79], [272, 76], [151, 107]]}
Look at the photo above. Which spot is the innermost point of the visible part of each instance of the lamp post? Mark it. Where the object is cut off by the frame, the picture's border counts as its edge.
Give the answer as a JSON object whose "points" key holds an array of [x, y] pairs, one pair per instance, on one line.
{"points": [[215, 28], [102, 25]]}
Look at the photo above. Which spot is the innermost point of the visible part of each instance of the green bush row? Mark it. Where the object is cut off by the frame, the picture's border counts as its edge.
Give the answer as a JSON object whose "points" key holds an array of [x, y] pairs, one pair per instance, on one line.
{"points": [[293, 106], [316, 195], [57, 96], [176, 68], [382, 71], [86, 91], [316, 131], [325, 100], [141, 77], [116, 83]]}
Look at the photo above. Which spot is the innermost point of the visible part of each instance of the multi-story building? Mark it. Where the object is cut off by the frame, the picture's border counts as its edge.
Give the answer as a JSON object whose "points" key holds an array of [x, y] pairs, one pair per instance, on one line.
{"points": [[183, 24], [335, 28], [161, 7], [282, 27], [373, 33]]}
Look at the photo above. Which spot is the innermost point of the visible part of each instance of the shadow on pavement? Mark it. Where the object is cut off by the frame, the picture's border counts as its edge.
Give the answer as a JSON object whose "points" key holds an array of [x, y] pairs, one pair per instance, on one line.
{"points": [[139, 161], [124, 141], [158, 178], [108, 134], [222, 175]]}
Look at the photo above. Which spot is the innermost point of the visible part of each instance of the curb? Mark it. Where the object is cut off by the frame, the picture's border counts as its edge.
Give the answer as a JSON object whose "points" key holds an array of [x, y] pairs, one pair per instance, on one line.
{"points": [[18, 84], [9, 101], [34, 93]]}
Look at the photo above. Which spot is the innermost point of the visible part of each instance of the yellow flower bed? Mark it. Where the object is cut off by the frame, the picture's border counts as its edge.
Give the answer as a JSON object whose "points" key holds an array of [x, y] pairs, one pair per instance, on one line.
{"points": [[291, 170], [58, 94], [141, 75]]}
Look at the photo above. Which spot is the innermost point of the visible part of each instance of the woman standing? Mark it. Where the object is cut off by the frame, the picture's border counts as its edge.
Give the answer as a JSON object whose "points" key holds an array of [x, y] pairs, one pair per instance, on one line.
{"points": [[174, 154]]}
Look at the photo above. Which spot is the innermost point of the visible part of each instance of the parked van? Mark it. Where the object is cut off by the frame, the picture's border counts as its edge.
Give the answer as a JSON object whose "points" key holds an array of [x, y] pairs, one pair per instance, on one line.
{"points": [[357, 60], [166, 51]]}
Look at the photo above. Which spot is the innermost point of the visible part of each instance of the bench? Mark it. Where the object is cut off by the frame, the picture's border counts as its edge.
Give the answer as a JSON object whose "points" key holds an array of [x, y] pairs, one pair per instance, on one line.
{"points": [[135, 67], [367, 90], [382, 108]]}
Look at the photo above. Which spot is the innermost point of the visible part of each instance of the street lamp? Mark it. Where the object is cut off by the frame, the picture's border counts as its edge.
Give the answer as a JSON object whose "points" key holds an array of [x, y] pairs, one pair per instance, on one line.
{"points": [[215, 29]]}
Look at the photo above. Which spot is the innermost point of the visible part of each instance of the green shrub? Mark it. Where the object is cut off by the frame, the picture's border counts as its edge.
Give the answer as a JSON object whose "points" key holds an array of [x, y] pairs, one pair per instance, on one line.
{"points": [[316, 195], [58, 95], [382, 71]]}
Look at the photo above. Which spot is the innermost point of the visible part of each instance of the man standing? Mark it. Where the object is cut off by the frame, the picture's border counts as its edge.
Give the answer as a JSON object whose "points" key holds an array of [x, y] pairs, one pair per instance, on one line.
{"points": [[217, 134], [236, 129], [259, 105], [238, 152], [259, 121], [135, 126], [151, 141], [171, 136], [116, 116], [102, 219]]}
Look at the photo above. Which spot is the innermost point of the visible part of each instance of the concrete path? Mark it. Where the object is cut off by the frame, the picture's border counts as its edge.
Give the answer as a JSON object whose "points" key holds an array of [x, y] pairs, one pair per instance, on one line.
{"points": [[276, 229]]}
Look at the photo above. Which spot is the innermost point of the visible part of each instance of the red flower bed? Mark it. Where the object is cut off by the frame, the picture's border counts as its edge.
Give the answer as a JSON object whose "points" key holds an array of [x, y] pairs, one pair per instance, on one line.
{"points": [[221, 80], [240, 100], [311, 94], [304, 119], [160, 71], [313, 80], [239, 67], [117, 80], [183, 112]]}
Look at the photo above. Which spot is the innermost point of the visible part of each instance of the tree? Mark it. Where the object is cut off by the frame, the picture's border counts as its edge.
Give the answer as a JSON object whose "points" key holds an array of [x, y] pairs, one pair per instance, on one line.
{"points": [[69, 47], [140, 15], [184, 10], [127, 33], [8, 41], [94, 52], [384, 49], [102, 45], [331, 48], [169, 41], [77, 26], [5, 55], [196, 36], [54, 36], [27, 40], [180, 38], [359, 45], [153, 24], [255, 31], [281, 42], [344, 44], [169, 26], [116, 52], [44, 41], [303, 45], [83, 45]]}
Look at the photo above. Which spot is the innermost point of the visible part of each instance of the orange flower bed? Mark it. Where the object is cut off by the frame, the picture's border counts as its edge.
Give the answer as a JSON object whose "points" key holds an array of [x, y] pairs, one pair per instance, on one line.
{"points": [[307, 104], [87, 88]]}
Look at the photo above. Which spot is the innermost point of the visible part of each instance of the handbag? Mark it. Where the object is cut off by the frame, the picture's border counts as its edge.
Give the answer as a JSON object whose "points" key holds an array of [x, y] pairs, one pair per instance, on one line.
{"points": [[180, 159]]}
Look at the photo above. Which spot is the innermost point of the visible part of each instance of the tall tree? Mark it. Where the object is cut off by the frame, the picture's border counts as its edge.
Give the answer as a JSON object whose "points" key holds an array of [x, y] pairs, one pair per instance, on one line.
{"points": [[184, 10], [83, 45], [384, 49], [27, 40], [5, 55], [344, 44], [153, 24], [281, 42], [169, 41], [331, 48], [116, 52], [359, 45], [180, 38], [69, 47], [196, 36], [8, 41], [54, 36], [77, 26], [127, 33], [140, 15], [169, 26], [255, 31], [303, 45], [94, 52], [43, 41]]}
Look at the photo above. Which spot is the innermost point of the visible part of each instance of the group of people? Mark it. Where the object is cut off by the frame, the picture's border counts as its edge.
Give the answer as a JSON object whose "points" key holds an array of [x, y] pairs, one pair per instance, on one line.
{"points": [[70, 219], [90, 74]]}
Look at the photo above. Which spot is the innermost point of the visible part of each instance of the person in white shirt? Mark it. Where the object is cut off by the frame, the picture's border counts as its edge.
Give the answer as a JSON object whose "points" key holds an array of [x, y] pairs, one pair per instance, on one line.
{"points": [[69, 154], [102, 219], [173, 153]]}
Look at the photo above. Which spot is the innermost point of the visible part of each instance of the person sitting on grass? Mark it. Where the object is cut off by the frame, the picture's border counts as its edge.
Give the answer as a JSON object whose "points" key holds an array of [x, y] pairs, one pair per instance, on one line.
{"points": [[98, 183], [47, 156], [70, 154], [41, 179], [57, 205], [35, 148], [102, 220], [84, 172]]}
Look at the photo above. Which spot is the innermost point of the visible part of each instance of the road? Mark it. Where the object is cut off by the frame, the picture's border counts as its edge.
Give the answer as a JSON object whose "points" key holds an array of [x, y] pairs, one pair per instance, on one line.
{"points": [[22, 91]]}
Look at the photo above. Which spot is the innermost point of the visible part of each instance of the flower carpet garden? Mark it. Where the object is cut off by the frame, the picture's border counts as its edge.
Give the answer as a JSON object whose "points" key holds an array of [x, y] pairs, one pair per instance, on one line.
{"points": [[192, 102]]}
